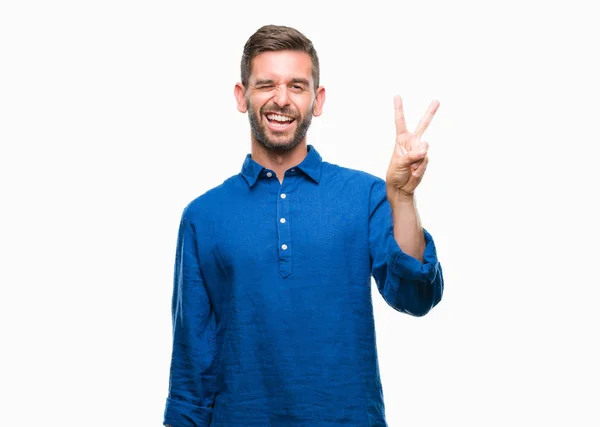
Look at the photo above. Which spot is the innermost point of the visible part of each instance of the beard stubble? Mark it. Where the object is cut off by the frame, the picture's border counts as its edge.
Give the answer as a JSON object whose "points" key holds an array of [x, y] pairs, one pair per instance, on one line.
{"points": [[260, 134]]}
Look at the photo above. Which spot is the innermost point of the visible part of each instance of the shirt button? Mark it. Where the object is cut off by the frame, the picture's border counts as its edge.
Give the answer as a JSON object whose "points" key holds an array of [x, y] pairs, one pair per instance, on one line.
{"points": [[282, 220], [293, 170], [284, 247], [269, 174], [283, 196]]}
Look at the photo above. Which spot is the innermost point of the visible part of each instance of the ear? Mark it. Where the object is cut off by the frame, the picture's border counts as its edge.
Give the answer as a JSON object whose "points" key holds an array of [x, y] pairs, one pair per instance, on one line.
{"points": [[240, 96], [319, 101]]}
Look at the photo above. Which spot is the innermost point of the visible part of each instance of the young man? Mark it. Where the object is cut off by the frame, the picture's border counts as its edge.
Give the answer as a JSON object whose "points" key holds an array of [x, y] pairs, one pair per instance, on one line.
{"points": [[272, 313]]}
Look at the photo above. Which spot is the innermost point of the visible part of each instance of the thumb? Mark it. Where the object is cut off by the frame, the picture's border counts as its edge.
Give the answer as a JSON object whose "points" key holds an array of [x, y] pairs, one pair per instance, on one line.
{"points": [[407, 158]]}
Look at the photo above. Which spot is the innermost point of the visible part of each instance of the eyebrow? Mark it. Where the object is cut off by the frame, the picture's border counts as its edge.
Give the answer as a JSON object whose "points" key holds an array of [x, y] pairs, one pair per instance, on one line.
{"points": [[263, 82], [301, 80]]}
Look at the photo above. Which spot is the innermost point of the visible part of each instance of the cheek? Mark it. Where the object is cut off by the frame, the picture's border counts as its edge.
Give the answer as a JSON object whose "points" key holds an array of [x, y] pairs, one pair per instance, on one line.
{"points": [[305, 105], [258, 102]]}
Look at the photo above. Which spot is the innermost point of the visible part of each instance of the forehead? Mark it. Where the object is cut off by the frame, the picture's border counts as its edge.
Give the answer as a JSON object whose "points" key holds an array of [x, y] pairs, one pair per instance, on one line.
{"points": [[281, 65]]}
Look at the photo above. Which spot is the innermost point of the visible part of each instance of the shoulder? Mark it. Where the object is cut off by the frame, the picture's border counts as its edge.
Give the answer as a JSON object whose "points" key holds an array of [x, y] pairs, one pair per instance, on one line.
{"points": [[207, 203], [335, 173], [353, 188]]}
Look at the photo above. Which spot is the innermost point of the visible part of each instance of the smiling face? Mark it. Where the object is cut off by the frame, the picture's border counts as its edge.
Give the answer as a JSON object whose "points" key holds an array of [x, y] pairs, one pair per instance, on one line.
{"points": [[280, 99]]}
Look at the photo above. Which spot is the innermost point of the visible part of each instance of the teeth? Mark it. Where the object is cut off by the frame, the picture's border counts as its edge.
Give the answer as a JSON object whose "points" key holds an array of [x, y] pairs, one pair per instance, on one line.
{"points": [[279, 118]]}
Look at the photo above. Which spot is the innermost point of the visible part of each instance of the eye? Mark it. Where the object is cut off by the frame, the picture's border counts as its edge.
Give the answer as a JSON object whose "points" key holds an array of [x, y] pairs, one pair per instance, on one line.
{"points": [[298, 88]]}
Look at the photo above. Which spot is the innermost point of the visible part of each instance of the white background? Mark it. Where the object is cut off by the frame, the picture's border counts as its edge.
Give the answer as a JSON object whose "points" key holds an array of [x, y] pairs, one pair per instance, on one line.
{"points": [[115, 114]]}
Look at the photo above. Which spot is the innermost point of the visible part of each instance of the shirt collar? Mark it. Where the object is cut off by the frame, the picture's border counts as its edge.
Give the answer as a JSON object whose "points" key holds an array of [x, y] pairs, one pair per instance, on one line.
{"points": [[311, 166]]}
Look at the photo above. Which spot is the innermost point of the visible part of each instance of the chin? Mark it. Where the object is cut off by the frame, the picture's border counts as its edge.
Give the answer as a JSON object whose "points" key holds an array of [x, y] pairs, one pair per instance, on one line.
{"points": [[280, 146]]}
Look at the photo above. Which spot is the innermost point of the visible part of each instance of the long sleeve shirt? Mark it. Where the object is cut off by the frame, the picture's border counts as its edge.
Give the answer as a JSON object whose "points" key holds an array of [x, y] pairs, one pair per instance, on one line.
{"points": [[272, 314]]}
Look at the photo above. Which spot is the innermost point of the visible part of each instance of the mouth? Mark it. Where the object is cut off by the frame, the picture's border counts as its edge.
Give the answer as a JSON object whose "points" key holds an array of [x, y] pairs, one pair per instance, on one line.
{"points": [[278, 122]]}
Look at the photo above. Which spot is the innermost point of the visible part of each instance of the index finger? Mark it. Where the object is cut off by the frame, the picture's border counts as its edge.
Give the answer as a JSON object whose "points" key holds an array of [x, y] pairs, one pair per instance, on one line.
{"points": [[399, 116], [424, 123]]}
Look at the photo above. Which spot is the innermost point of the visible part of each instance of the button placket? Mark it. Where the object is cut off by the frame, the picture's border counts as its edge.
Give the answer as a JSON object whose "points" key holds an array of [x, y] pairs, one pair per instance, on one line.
{"points": [[284, 243]]}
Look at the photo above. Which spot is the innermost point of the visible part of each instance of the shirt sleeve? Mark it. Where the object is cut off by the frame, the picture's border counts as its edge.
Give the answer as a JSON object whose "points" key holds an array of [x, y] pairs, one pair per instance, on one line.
{"points": [[403, 281], [192, 380]]}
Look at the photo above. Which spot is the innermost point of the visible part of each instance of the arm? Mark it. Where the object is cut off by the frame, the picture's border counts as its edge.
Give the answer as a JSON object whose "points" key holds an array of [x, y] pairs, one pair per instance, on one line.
{"points": [[408, 231], [192, 381], [405, 264], [406, 169], [407, 284]]}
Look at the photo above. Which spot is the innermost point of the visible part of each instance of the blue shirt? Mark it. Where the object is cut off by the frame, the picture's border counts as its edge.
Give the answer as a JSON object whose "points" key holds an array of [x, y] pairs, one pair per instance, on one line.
{"points": [[272, 314]]}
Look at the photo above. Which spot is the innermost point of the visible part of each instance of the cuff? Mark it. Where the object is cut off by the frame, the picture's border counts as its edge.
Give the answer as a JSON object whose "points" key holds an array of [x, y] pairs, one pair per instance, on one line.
{"points": [[408, 267], [179, 413]]}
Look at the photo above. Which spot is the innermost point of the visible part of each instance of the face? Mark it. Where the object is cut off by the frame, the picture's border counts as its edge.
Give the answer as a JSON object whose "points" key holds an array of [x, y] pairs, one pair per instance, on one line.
{"points": [[280, 99]]}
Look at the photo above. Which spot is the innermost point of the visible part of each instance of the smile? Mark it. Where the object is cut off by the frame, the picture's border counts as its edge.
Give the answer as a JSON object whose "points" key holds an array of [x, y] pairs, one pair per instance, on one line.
{"points": [[279, 122]]}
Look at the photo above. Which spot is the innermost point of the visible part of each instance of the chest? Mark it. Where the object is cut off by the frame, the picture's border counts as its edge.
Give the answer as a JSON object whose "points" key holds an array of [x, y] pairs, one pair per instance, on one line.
{"points": [[303, 227]]}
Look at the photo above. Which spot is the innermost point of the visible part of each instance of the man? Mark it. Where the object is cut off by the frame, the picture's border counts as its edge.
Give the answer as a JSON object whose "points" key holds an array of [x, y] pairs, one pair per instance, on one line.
{"points": [[272, 313]]}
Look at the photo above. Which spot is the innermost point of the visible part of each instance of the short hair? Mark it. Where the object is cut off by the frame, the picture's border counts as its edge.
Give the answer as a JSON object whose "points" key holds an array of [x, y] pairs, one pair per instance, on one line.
{"points": [[272, 38]]}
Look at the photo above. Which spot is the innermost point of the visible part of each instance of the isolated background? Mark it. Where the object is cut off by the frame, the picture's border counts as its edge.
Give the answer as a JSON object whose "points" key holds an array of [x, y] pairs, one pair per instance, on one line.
{"points": [[115, 114]]}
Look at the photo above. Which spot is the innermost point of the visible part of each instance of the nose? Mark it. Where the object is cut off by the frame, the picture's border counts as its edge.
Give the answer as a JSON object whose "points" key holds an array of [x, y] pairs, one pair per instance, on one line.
{"points": [[281, 97]]}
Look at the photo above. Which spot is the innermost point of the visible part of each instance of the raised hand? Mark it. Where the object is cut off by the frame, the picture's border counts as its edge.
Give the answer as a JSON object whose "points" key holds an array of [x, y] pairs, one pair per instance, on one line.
{"points": [[409, 160]]}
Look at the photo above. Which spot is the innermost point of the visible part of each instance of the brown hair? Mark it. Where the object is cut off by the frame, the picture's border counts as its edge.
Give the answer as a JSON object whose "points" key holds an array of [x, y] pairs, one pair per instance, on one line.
{"points": [[270, 38]]}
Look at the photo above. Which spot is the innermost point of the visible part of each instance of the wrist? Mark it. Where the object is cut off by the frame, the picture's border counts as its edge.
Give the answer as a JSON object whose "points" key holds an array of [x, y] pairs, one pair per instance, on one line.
{"points": [[398, 197]]}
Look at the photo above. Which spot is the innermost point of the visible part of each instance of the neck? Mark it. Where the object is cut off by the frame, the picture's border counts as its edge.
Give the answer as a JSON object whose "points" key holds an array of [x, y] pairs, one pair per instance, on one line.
{"points": [[278, 162]]}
